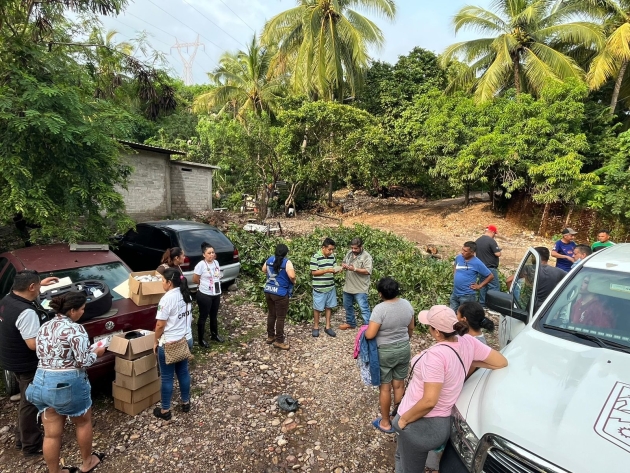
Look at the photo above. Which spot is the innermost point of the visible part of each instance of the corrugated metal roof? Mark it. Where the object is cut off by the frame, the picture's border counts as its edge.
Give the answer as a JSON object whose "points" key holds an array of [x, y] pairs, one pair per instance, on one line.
{"points": [[155, 149], [188, 163]]}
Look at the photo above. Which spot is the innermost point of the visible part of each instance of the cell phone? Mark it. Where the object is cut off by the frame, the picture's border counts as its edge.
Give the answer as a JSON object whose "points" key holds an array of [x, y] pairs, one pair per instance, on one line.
{"points": [[217, 287]]}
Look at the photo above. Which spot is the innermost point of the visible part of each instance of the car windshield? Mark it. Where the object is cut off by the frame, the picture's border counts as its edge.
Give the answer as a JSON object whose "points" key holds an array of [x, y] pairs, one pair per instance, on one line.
{"points": [[191, 241], [594, 306], [111, 274]]}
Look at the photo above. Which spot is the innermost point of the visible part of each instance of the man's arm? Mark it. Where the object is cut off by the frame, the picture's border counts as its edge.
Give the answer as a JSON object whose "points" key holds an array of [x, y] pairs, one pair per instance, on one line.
{"points": [[30, 342], [476, 287]]}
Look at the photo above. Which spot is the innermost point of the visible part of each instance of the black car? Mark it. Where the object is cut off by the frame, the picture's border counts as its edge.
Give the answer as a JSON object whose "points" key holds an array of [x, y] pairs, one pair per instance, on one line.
{"points": [[142, 248]]}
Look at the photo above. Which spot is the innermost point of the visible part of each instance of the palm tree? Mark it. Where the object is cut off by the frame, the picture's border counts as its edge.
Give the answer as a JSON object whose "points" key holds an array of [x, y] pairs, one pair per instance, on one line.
{"points": [[325, 43], [530, 44], [612, 60], [245, 82], [105, 64]]}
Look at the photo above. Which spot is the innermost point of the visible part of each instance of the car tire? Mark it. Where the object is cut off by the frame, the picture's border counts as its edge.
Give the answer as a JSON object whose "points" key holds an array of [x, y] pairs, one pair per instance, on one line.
{"points": [[10, 384]]}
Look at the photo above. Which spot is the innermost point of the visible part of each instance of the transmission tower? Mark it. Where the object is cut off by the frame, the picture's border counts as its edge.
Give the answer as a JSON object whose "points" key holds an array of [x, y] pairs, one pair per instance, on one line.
{"points": [[188, 61]]}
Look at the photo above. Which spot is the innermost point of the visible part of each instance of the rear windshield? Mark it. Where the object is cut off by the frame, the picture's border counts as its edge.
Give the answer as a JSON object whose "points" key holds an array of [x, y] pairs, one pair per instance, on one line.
{"points": [[112, 274], [595, 303], [191, 241]]}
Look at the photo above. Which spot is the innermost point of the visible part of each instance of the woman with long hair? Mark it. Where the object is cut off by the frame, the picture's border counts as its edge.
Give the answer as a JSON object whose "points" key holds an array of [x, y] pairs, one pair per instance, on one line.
{"points": [[391, 323], [278, 288], [423, 421], [174, 317], [207, 275], [172, 258], [473, 315], [61, 388]]}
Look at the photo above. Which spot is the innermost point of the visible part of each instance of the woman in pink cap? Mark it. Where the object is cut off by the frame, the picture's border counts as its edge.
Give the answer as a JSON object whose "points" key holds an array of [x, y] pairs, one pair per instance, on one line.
{"points": [[436, 379]]}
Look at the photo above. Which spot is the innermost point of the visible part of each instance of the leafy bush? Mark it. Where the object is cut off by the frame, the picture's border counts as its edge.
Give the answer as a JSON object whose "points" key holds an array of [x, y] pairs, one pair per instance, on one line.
{"points": [[424, 281]]}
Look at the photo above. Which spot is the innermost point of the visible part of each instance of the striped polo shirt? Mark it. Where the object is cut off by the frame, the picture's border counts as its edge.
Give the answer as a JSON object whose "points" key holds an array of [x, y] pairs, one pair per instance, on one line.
{"points": [[325, 282]]}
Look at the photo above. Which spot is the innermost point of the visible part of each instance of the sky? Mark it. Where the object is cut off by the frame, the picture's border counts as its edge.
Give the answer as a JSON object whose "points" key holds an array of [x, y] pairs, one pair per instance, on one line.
{"points": [[228, 25]]}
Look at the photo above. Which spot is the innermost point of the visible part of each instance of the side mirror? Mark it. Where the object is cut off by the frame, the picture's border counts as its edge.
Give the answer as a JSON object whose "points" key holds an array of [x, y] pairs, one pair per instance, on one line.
{"points": [[503, 303]]}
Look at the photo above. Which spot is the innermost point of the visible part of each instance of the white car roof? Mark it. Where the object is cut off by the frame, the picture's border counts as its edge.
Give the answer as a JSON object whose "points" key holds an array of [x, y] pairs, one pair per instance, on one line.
{"points": [[614, 258]]}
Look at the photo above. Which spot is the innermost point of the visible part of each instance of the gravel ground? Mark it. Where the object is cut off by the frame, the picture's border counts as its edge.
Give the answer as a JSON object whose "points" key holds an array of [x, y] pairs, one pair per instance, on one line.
{"points": [[235, 424]]}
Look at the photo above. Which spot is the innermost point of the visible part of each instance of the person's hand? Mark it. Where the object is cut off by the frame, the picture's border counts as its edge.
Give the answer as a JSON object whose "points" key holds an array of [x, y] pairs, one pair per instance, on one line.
{"points": [[402, 423], [476, 287], [344, 265], [49, 280], [100, 351], [350, 267], [155, 345]]}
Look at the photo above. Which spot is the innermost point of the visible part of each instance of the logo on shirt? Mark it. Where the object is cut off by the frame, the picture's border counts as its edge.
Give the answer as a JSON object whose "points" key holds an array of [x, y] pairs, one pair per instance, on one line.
{"points": [[184, 314]]}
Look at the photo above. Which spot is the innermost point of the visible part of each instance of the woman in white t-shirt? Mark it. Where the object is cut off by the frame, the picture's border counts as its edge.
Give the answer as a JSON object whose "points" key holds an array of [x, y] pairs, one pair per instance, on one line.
{"points": [[207, 275], [437, 377], [174, 316]]}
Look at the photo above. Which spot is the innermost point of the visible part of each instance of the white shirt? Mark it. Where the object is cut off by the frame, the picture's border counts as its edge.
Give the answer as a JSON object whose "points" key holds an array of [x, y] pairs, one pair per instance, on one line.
{"points": [[28, 324], [178, 316], [209, 274]]}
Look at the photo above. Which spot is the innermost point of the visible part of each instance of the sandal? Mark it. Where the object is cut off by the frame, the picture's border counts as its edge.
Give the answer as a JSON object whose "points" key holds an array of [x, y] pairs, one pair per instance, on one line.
{"points": [[376, 423], [100, 457], [71, 469]]}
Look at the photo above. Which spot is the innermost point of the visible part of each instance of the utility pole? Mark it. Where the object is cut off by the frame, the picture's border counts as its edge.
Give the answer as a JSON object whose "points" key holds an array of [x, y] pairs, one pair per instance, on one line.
{"points": [[188, 61]]}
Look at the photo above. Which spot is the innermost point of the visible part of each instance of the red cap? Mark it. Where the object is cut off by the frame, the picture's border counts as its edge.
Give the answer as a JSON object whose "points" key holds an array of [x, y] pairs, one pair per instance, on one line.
{"points": [[493, 229]]}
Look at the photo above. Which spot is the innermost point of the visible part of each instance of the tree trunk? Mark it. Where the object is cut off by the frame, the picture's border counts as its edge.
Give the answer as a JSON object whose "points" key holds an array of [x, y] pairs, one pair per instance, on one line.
{"points": [[330, 190], [467, 196], [543, 221], [290, 200], [569, 214], [617, 89], [517, 73]]}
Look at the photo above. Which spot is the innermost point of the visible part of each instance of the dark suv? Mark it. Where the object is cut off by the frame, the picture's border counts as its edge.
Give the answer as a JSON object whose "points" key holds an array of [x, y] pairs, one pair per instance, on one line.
{"points": [[142, 248], [59, 260]]}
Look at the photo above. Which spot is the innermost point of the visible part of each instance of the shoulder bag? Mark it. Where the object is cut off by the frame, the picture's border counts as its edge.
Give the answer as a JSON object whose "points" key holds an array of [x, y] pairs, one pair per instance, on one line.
{"points": [[177, 351]]}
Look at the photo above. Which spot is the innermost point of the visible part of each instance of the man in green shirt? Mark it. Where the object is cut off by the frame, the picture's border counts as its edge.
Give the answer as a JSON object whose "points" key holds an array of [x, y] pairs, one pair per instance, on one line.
{"points": [[603, 241], [358, 266], [324, 293]]}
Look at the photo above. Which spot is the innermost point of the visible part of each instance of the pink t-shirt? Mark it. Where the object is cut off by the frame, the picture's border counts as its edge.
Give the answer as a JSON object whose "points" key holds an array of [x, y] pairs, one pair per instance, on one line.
{"points": [[439, 364]]}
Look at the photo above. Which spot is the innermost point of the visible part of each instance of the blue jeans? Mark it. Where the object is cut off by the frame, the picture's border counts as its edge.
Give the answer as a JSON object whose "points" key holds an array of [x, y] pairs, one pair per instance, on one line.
{"points": [[456, 300], [167, 374], [493, 285], [348, 305]]}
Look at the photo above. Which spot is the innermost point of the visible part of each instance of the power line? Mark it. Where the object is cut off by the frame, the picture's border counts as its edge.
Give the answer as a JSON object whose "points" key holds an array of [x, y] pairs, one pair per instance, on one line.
{"points": [[191, 6], [228, 7], [132, 28]]}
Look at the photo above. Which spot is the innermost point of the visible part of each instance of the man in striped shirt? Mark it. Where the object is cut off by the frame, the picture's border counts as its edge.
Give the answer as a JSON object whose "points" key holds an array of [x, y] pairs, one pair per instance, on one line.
{"points": [[324, 293]]}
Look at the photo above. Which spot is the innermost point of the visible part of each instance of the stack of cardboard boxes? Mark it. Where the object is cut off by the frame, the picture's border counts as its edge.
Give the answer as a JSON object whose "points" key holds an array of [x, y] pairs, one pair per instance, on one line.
{"points": [[137, 384]]}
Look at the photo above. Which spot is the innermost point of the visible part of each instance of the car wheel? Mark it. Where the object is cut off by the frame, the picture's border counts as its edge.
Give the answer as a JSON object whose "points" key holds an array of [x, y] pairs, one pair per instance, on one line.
{"points": [[10, 383]]}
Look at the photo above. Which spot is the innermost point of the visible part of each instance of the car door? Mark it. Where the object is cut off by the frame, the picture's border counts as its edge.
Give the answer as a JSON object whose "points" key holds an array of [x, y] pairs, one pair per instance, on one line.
{"points": [[152, 242], [523, 291], [7, 274]]}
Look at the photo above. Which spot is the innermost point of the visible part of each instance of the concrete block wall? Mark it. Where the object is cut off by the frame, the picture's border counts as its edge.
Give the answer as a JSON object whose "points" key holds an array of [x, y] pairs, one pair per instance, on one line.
{"points": [[191, 189], [148, 193]]}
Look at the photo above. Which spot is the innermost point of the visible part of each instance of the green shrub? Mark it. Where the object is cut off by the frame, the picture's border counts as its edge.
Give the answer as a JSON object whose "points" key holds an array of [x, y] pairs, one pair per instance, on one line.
{"points": [[424, 281]]}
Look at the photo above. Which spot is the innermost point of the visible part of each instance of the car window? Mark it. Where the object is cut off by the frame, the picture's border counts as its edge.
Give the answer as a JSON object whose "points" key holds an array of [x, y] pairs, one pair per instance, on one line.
{"points": [[152, 237], [111, 274], [595, 303], [191, 240], [522, 287], [7, 280]]}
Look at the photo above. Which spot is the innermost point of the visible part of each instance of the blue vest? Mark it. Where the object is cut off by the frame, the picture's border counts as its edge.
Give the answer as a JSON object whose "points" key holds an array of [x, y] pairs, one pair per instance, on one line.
{"points": [[278, 284]]}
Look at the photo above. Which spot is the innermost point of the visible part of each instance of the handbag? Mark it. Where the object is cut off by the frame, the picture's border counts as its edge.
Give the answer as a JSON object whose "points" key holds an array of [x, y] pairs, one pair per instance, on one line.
{"points": [[174, 352]]}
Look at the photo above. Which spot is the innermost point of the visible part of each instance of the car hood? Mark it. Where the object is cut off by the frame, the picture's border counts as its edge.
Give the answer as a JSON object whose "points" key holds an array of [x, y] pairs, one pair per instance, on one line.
{"points": [[561, 400]]}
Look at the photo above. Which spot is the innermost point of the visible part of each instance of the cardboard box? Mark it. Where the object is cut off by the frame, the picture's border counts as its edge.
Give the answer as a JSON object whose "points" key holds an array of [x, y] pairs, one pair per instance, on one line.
{"points": [[133, 397], [138, 407], [135, 367], [134, 348], [145, 293], [136, 382]]}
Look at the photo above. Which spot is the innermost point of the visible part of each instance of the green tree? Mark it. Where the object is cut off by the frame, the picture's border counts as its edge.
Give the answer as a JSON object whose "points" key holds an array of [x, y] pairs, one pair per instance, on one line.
{"points": [[244, 82], [325, 43], [528, 47]]}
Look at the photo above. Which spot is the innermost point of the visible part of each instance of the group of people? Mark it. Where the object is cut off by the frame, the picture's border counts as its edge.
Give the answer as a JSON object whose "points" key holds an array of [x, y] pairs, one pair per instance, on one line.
{"points": [[421, 410]]}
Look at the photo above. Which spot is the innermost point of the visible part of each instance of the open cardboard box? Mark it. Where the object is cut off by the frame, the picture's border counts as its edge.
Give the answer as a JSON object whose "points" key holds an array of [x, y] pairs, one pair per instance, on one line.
{"points": [[134, 348], [145, 293]]}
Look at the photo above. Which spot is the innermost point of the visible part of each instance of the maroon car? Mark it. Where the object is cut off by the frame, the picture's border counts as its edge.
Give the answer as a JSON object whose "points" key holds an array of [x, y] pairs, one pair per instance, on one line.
{"points": [[79, 265]]}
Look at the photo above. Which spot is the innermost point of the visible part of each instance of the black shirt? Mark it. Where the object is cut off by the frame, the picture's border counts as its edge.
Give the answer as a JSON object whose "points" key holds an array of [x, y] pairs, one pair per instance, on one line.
{"points": [[548, 278], [486, 249]]}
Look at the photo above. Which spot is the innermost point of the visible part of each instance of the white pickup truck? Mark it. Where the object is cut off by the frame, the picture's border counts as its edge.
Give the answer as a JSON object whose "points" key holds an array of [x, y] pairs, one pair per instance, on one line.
{"points": [[563, 403]]}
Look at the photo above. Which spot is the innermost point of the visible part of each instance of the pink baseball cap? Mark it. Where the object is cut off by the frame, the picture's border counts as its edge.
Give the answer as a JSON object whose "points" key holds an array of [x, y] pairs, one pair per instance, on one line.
{"points": [[440, 317]]}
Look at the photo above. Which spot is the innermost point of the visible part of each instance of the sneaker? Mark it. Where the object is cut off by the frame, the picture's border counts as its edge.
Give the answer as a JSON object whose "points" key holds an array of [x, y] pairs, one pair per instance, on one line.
{"points": [[157, 412], [315, 332], [185, 407], [330, 332], [347, 326], [15, 397], [281, 345], [270, 340]]}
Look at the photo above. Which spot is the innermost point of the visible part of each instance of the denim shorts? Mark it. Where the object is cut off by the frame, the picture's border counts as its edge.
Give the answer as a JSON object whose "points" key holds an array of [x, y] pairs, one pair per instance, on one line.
{"points": [[67, 391], [324, 300]]}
